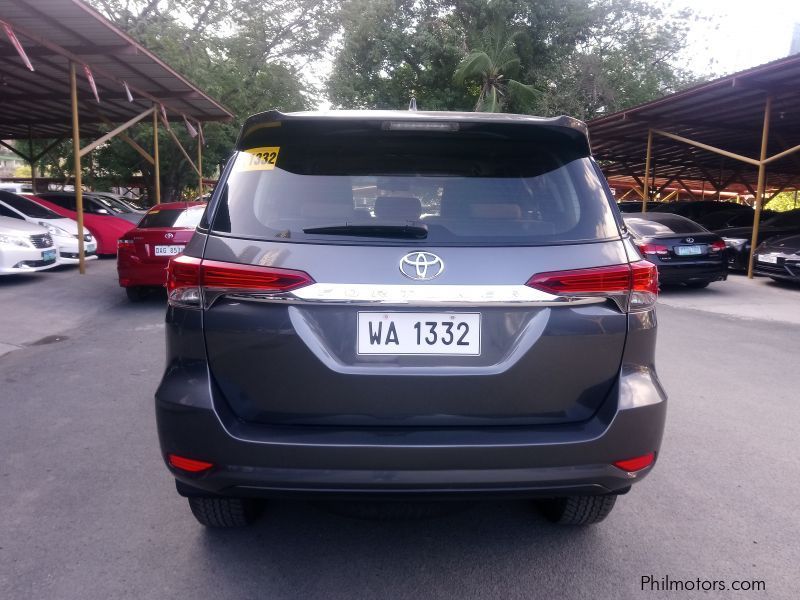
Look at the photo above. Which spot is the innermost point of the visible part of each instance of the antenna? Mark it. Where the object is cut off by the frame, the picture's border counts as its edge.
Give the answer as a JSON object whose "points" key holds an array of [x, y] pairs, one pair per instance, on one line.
{"points": [[413, 104]]}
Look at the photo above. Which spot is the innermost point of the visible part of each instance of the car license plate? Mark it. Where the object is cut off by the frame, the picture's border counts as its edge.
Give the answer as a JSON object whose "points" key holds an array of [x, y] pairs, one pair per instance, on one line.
{"points": [[768, 258], [168, 250], [48, 255], [688, 250], [419, 333]]}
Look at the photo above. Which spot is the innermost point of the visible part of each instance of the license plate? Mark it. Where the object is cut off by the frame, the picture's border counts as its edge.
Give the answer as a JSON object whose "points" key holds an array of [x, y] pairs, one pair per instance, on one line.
{"points": [[48, 255], [168, 250], [768, 258], [419, 333], [688, 250]]}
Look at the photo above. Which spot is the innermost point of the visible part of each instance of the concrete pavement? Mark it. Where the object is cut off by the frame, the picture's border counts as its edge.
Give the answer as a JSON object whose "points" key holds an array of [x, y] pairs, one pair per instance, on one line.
{"points": [[88, 511]]}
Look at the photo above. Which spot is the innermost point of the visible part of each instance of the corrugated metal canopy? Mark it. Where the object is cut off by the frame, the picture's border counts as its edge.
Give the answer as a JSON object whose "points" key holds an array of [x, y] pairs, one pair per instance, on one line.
{"points": [[55, 32], [726, 113]]}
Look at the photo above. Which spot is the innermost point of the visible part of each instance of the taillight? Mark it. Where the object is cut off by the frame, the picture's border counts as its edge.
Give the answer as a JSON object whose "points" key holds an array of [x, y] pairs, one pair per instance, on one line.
{"points": [[183, 281], [190, 465], [633, 286], [189, 277], [124, 243], [644, 286], [229, 276], [650, 248], [717, 246]]}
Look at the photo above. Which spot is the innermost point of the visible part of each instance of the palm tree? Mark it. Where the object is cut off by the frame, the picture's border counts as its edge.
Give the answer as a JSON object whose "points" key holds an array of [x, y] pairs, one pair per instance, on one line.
{"points": [[493, 67]]}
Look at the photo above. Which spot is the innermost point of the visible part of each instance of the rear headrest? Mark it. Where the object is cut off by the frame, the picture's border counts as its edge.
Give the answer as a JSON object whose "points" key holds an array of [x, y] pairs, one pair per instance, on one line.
{"points": [[406, 208], [495, 211]]}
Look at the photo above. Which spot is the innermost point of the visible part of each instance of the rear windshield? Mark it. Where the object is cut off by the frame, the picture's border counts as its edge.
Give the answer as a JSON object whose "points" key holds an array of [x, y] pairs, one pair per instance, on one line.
{"points": [[662, 224], [455, 190], [187, 218], [28, 207]]}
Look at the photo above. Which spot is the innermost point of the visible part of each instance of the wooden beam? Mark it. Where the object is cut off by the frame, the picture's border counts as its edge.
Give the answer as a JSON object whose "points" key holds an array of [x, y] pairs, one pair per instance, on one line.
{"points": [[702, 146], [182, 149], [647, 159], [15, 151], [103, 139], [76, 150], [762, 181], [130, 141]]}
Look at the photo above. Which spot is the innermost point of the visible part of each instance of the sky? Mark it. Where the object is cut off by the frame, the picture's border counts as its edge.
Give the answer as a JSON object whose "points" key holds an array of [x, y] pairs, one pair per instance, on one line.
{"points": [[739, 33]]}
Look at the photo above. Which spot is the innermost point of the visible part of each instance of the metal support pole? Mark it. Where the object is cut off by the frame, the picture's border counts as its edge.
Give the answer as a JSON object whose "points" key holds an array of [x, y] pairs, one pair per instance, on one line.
{"points": [[200, 165], [76, 150], [31, 160], [156, 163], [762, 179], [646, 194]]}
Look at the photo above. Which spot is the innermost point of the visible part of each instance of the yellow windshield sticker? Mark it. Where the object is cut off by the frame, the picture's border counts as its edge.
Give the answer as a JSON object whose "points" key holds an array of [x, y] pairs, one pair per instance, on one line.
{"points": [[257, 159], [154, 211]]}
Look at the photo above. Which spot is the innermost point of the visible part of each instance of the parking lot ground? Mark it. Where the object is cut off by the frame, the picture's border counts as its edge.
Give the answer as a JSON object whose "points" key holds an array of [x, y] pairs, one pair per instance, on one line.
{"points": [[88, 511]]}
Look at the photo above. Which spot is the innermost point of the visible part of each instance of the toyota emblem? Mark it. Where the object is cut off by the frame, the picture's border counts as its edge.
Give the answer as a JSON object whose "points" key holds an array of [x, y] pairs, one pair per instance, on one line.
{"points": [[421, 266], [169, 236]]}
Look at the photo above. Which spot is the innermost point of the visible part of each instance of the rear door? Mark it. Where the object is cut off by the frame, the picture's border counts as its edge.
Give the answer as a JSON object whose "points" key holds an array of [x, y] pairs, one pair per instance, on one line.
{"points": [[411, 253]]}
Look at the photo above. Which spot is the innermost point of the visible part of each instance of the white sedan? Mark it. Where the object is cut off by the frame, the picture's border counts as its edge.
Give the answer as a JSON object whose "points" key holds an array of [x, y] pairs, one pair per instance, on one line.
{"points": [[63, 231], [25, 247]]}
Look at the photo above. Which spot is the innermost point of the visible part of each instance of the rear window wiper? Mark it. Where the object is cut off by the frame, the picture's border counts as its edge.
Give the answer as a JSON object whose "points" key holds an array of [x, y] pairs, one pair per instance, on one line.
{"points": [[417, 232]]}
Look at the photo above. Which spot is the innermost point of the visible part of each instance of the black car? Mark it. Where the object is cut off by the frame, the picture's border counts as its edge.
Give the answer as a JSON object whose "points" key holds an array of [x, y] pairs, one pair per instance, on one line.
{"points": [[695, 209], [684, 252], [779, 258], [726, 219], [738, 239], [390, 304]]}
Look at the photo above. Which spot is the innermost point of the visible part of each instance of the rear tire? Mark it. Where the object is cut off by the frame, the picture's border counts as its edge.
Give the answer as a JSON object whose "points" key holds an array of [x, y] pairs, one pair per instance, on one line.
{"points": [[697, 285], [136, 293], [224, 512], [577, 510]]}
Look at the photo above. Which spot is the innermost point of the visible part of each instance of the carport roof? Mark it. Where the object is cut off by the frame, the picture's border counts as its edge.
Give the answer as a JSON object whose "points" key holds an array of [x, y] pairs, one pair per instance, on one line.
{"points": [[726, 113], [54, 33]]}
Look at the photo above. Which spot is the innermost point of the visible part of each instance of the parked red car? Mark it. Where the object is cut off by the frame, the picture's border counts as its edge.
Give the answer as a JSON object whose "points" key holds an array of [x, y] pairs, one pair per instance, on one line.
{"points": [[105, 228], [144, 251]]}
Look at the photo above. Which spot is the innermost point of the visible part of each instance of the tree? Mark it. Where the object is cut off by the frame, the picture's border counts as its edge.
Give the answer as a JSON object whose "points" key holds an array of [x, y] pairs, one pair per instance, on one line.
{"points": [[586, 57], [250, 57], [493, 67]]}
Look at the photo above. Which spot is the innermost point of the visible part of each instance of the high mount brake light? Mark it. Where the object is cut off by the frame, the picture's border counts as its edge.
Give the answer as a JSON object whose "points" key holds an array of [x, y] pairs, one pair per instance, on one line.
{"points": [[635, 282], [187, 277]]}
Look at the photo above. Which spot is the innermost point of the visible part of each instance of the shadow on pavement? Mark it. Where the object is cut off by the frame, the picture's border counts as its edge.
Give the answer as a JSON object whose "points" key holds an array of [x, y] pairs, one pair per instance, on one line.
{"points": [[475, 550]]}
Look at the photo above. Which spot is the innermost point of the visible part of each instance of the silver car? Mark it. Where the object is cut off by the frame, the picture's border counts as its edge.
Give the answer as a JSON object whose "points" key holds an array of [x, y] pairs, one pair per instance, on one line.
{"points": [[410, 304]]}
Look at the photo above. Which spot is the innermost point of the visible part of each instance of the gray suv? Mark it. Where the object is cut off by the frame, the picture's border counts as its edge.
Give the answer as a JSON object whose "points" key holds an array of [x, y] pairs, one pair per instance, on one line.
{"points": [[396, 305]]}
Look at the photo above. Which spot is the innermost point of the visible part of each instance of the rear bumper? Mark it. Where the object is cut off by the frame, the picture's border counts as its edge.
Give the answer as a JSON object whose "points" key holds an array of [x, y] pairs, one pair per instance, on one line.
{"points": [[705, 271], [259, 460], [138, 273]]}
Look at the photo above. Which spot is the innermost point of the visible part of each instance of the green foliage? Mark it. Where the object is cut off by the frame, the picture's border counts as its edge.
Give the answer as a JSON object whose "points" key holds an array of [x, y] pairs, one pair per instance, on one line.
{"points": [[784, 201], [249, 56], [494, 67], [579, 57]]}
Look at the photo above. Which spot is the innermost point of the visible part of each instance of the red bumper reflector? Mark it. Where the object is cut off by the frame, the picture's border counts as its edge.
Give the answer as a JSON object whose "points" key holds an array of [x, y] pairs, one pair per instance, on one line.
{"points": [[636, 464], [188, 464]]}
